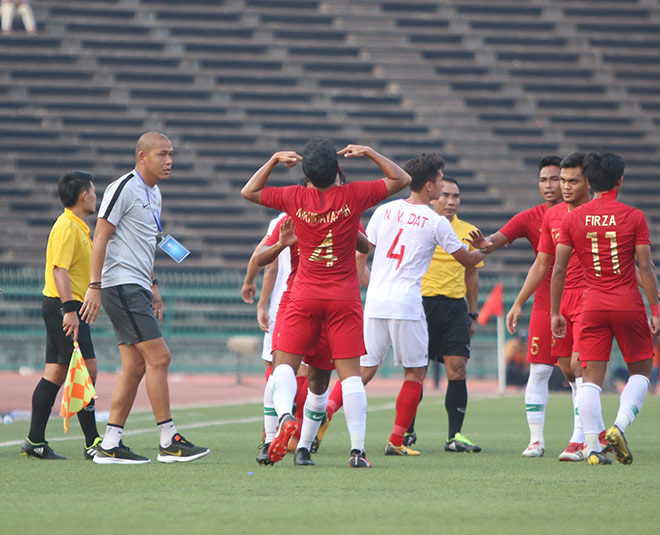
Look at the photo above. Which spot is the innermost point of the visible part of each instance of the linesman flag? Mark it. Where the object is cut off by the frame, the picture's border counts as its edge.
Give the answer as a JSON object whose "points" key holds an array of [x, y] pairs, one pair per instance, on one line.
{"points": [[493, 305], [78, 387]]}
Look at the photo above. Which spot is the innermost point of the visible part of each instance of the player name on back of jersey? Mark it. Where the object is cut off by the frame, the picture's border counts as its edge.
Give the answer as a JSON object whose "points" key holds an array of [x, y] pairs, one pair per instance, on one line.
{"points": [[599, 220], [413, 219], [325, 217]]}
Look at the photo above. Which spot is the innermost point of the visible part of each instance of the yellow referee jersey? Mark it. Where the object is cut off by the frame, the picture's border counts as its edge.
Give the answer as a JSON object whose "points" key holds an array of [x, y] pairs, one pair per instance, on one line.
{"points": [[446, 276], [69, 247]]}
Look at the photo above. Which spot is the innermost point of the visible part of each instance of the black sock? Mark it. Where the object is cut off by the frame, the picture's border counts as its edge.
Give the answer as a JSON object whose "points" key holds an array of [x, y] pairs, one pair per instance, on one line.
{"points": [[87, 419], [411, 429], [456, 403], [43, 398]]}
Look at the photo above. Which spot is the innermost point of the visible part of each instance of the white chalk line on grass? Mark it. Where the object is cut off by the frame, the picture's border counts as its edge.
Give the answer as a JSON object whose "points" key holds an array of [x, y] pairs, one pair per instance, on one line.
{"points": [[211, 423]]}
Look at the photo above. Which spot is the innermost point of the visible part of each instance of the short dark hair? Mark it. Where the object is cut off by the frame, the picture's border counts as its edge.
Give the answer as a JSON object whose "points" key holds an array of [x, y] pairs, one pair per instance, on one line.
{"points": [[452, 180], [71, 185], [320, 161], [549, 160], [603, 170], [422, 169], [575, 159]]}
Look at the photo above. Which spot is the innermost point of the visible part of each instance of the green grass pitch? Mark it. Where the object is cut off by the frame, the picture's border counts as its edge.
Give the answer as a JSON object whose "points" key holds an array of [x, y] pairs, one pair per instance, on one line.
{"points": [[493, 492]]}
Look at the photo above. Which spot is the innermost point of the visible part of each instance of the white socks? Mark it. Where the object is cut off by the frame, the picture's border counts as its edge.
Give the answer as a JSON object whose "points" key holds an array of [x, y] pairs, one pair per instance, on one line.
{"points": [[536, 399], [284, 389], [588, 400], [578, 431], [631, 400], [167, 432], [270, 415], [355, 410], [313, 413], [112, 437]]}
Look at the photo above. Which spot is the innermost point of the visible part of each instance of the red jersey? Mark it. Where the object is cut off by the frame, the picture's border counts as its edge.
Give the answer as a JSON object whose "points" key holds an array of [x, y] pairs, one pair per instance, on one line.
{"points": [[527, 224], [326, 223], [293, 251], [604, 232], [550, 231]]}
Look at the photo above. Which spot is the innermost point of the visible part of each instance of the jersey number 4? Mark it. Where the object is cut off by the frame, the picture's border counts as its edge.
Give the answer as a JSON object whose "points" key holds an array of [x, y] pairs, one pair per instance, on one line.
{"points": [[396, 256], [614, 252], [320, 256]]}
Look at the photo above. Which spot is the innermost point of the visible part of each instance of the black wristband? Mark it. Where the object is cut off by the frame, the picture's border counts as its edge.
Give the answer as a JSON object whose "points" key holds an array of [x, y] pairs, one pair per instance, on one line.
{"points": [[473, 315], [69, 306], [154, 282]]}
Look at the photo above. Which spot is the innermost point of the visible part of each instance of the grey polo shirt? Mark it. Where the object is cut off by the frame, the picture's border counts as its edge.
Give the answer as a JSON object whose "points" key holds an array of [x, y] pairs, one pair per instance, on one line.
{"points": [[132, 207]]}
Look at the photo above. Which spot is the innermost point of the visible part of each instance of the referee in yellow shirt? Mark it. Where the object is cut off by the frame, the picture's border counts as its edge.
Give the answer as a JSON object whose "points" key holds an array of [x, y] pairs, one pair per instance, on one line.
{"points": [[67, 275], [449, 293]]}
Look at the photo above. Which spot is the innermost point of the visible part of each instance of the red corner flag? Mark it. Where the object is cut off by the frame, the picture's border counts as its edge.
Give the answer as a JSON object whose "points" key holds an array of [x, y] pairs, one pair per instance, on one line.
{"points": [[493, 305]]}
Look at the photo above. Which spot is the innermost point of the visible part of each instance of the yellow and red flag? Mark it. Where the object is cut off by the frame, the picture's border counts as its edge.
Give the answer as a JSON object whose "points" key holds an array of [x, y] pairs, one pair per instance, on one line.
{"points": [[78, 387]]}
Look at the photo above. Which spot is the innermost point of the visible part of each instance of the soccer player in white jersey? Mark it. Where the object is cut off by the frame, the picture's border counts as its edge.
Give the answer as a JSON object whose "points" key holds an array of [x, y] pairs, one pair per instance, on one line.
{"points": [[405, 234]]}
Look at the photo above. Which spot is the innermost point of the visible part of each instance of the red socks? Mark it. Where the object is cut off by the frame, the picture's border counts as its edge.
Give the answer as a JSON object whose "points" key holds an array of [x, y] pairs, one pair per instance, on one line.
{"points": [[406, 408]]}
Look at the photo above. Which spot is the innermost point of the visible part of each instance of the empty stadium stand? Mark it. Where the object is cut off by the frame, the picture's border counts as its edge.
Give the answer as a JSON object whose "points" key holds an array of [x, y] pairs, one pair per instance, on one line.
{"points": [[492, 86]]}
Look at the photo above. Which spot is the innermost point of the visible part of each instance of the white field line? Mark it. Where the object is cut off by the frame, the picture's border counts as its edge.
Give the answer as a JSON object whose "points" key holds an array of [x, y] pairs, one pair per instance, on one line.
{"points": [[213, 423]]}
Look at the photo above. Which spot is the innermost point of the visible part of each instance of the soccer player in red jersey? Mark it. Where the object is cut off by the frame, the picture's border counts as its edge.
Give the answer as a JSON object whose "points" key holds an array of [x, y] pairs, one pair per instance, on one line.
{"points": [[575, 192], [527, 224], [607, 236], [326, 289]]}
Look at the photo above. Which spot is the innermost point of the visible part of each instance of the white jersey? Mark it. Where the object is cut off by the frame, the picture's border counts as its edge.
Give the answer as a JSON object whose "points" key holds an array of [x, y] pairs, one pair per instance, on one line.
{"points": [[283, 270], [133, 208], [405, 236]]}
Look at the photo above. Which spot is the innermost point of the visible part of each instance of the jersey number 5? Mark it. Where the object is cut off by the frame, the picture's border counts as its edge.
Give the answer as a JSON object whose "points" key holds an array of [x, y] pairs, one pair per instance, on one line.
{"points": [[396, 256], [319, 256], [614, 252]]}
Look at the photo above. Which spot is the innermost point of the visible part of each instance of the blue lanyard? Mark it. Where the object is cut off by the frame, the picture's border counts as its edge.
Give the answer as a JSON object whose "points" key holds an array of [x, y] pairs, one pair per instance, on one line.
{"points": [[156, 215]]}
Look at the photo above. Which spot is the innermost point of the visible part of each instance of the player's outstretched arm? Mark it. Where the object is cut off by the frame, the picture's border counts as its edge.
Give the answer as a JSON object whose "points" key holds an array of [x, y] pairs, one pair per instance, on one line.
{"points": [[649, 283], [396, 178], [557, 321], [468, 259], [534, 278], [252, 189], [487, 245]]}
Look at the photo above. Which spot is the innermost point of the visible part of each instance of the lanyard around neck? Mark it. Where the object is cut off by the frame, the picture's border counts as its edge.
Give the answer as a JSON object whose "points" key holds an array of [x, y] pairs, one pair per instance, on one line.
{"points": [[156, 215]]}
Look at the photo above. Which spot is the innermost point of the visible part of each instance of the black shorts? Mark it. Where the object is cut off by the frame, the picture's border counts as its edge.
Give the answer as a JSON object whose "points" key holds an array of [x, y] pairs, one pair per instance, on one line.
{"points": [[59, 347], [131, 311], [449, 327]]}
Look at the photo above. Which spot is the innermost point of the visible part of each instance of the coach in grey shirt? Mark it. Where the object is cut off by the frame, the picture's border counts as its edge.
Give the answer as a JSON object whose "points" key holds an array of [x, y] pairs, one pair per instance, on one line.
{"points": [[122, 274]]}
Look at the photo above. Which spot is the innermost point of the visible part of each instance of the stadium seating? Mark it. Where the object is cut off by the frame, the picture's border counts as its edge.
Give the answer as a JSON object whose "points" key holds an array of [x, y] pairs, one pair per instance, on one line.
{"points": [[492, 86]]}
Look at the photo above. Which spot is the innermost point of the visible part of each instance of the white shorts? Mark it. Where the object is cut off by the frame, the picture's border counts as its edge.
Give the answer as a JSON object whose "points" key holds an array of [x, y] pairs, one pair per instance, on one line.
{"points": [[267, 351], [408, 338]]}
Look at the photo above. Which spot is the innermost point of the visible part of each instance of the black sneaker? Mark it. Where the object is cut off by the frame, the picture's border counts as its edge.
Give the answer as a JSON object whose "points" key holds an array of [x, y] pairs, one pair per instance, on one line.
{"points": [[181, 451], [40, 451], [262, 456], [460, 443], [118, 455], [359, 460], [409, 439], [302, 457], [90, 451]]}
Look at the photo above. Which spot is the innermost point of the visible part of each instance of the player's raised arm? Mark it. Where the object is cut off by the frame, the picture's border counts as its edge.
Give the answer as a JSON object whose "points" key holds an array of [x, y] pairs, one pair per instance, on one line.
{"points": [[287, 238], [396, 178], [562, 256], [252, 189]]}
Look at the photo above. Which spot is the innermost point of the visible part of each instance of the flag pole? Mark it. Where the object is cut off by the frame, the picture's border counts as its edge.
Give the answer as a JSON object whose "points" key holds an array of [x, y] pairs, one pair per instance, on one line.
{"points": [[501, 361]]}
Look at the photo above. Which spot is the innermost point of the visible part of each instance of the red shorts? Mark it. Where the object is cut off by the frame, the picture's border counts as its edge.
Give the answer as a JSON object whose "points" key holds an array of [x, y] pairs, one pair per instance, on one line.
{"points": [[629, 327], [540, 338], [571, 309], [323, 357], [279, 319], [301, 329]]}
